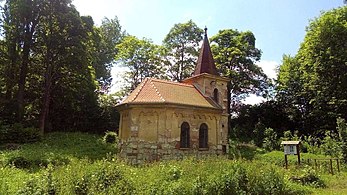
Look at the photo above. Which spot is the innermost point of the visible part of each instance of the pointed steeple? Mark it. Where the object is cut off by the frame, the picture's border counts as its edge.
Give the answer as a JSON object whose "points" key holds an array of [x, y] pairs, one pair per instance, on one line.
{"points": [[205, 61]]}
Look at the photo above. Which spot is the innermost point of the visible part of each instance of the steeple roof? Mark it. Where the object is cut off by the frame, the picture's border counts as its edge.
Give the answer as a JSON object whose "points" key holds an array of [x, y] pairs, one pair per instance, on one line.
{"points": [[205, 61]]}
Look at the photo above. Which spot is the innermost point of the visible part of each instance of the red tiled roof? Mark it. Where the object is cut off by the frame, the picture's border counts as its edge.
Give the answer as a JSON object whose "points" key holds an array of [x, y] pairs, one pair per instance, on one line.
{"points": [[160, 91]]}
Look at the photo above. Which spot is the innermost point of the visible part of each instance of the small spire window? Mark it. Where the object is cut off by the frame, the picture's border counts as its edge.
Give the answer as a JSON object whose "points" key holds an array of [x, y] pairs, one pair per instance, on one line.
{"points": [[215, 95]]}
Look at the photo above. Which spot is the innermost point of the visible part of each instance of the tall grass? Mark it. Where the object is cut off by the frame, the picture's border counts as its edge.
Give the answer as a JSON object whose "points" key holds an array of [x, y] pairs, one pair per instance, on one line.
{"points": [[57, 149], [77, 163]]}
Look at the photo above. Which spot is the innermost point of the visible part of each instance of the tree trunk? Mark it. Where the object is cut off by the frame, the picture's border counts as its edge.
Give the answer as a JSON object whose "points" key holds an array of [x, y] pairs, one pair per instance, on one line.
{"points": [[24, 71], [46, 98], [9, 71], [228, 108]]}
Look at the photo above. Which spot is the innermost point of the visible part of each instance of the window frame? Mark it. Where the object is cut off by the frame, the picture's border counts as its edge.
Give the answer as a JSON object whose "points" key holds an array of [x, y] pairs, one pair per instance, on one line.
{"points": [[203, 136], [185, 135]]}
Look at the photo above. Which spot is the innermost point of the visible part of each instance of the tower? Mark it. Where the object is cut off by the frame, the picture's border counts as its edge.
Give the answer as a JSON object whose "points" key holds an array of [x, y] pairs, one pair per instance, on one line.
{"points": [[213, 87], [206, 78]]}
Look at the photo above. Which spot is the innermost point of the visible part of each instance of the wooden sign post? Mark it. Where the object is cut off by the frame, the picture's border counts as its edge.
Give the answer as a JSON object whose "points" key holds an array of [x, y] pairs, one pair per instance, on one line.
{"points": [[291, 148]]}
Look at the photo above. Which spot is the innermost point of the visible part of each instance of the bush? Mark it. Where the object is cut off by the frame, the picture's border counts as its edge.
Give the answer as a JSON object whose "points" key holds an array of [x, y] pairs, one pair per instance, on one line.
{"points": [[102, 177], [270, 140], [309, 177], [16, 133], [41, 184], [331, 145], [342, 129], [19, 162], [266, 181], [111, 138]]}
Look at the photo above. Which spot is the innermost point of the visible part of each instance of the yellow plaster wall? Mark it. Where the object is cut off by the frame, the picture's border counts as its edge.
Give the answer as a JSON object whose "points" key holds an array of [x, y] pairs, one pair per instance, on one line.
{"points": [[124, 131], [163, 124]]}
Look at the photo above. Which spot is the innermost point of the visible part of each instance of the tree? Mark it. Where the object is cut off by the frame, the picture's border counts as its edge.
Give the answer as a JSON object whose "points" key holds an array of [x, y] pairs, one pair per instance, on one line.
{"points": [[62, 52], [181, 47], [102, 48], [235, 56], [142, 58], [319, 73], [20, 20], [252, 120], [57, 64]]}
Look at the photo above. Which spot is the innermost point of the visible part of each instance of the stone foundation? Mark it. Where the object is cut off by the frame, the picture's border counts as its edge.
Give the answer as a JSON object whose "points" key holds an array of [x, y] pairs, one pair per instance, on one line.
{"points": [[139, 152]]}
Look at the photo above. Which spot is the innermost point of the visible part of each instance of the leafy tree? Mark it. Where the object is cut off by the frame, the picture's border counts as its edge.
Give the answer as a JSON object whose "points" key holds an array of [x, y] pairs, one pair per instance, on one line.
{"points": [[142, 58], [62, 52], [102, 42], [235, 56], [181, 47], [20, 18], [68, 62], [252, 119], [289, 95], [314, 81]]}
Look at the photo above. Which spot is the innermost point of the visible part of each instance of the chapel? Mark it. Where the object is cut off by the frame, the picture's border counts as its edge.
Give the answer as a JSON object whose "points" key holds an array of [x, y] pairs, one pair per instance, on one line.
{"points": [[162, 119]]}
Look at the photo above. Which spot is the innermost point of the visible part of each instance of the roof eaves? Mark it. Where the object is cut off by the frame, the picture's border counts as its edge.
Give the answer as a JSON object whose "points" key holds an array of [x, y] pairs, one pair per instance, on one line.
{"points": [[170, 103]]}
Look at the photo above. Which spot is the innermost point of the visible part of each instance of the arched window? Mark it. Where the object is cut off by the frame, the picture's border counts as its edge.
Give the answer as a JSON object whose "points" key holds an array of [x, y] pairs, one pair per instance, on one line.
{"points": [[185, 135], [215, 95], [203, 136]]}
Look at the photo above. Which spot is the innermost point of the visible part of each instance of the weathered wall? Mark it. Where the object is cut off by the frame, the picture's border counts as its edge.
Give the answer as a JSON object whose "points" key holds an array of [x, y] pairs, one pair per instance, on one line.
{"points": [[153, 133]]}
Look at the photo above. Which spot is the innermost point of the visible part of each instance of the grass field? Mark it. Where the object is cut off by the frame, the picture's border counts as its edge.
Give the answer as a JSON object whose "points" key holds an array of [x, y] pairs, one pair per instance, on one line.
{"points": [[78, 163]]}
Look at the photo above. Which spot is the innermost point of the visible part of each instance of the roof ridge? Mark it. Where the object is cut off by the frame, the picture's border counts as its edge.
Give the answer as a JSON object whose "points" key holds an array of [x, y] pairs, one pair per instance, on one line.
{"points": [[171, 82], [140, 88], [156, 90]]}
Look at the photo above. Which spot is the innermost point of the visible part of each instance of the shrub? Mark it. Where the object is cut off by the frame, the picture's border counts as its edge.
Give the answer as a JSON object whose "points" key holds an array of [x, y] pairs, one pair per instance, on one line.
{"points": [[101, 177], [110, 137], [16, 133], [19, 162], [311, 144], [234, 152], [342, 129], [41, 184], [331, 145], [309, 177], [258, 134], [270, 140], [266, 181]]}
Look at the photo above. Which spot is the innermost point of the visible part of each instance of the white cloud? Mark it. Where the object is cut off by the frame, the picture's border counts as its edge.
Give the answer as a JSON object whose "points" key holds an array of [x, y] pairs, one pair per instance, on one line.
{"points": [[269, 68], [117, 73], [253, 99]]}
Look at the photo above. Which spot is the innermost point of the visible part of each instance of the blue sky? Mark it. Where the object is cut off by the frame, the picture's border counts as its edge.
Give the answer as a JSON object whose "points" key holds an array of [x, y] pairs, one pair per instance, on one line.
{"points": [[278, 25]]}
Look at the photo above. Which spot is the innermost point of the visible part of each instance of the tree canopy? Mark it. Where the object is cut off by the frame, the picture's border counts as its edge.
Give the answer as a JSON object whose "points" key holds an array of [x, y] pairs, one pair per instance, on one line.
{"points": [[312, 84], [181, 46], [54, 62], [142, 58], [235, 56]]}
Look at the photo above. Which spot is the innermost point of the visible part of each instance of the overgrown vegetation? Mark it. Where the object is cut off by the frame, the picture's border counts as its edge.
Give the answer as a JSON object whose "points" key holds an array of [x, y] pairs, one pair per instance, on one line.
{"points": [[80, 163]]}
